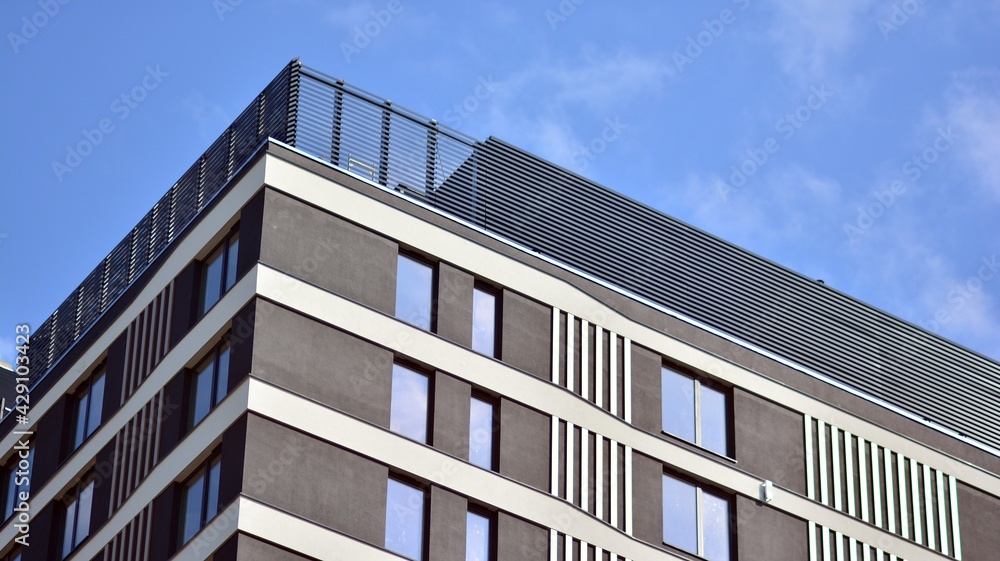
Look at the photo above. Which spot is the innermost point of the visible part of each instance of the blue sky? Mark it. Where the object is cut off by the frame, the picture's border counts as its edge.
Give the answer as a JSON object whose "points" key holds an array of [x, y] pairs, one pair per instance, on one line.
{"points": [[855, 141]]}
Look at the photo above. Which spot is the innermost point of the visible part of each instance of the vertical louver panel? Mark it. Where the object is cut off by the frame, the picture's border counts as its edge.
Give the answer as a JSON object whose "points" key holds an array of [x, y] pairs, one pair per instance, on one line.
{"points": [[147, 340], [881, 487], [564, 547], [136, 449], [132, 543]]}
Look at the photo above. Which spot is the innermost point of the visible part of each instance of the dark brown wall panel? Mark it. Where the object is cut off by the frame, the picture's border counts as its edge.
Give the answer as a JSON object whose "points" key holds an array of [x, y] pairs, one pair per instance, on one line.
{"points": [[646, 389], [524, 444], [313, 359], [647, 497], [451, 415], [766, 533], [446, 531], [527, 335], [979, 514], [518, 540], [770, 442], [454, 304], [329, 252]]}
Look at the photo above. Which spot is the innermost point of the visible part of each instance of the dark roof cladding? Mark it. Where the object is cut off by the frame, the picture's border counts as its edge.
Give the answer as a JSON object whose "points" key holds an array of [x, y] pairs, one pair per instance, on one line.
{"points": [[537, 204]]}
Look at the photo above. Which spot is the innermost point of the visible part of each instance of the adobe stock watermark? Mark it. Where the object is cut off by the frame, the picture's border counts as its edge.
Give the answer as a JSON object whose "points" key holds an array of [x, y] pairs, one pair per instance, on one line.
{"points": [[613, 129], [225, 7], [912, 169], [713, 29], [364, 34], [786, 127], [32, 25], [461, 111], [900, 16], [964, 293], [122, 106], [562, 13]]}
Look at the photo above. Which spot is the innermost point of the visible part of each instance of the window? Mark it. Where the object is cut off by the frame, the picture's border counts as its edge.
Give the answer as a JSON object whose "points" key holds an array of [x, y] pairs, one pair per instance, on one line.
{"points": [[478, 536], [218, 272], [482, 431], [17, 481], [484, 321], [87, 409], [404, 520], [696, 520], [200, 499], [414, 290], [77, 517], [209, 383], [695, 411], [408, 407]]}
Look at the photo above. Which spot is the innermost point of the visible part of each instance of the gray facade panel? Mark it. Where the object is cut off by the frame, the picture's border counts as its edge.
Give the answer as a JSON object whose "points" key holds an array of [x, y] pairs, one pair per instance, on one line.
{"points": [[347, 493], [527, 335], [446, 531], [524, 444], [249, 548], [329, 252], [979, 515], [647, 497], [454, 304], [318, 361], [451, 415], [769, 441], [518, 540], [765, 533], [646, 389]]}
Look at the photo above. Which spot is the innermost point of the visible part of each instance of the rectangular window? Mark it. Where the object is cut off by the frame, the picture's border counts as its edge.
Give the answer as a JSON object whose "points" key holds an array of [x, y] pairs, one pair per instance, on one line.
{"points": [[695, 411], [409, 403], [404, 520], [88, 409], [17, 481], [200, 499], [482, 433], [414, 291], [218, 272], [696, 520], [478, 537], [484, 321], [209, 383], [77, 517]]}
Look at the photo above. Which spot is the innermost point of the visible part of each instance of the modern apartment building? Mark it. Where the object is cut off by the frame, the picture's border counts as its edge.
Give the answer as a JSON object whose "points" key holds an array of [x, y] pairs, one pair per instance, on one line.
{"points": [[350, 333]]}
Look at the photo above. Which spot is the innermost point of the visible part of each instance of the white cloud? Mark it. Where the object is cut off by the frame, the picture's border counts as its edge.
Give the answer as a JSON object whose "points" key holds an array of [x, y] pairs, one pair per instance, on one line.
{"points": [[813, 35], [210, 117], [973, 107]]}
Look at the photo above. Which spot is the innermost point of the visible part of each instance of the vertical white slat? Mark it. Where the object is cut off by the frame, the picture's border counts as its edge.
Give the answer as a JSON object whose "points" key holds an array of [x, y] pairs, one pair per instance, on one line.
{"points": [[570, 464], [584, 554], [915, 497], [824, 481], [599, 366], [170, 308], [627, 499], [840, 546], [613, 373], [835, 459], [613, 457], [827, 555], [929, 508], [942, 513], [585, 469], [904, 515], [955, 529], [555, 345], [568, 553], [812, 534], [849, 472], [867, 552], [599, 476], [585, 359], [554, 451], [810, 459], [570, 352], [879, 554], [553, 545], [128, 360], [863, 478], [853, 546], [627, 385], [890, 502], [598, 554], [876, 488]]}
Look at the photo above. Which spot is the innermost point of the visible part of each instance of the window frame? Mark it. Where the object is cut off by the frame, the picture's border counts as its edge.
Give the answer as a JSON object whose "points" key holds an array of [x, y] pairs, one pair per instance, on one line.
{"points": [[700, 491], [495, 293], [227, 253], [429, 402], [494, 404], [699, 382], [86, 484], [432, 297], [424, 515], [86, 392], [11, 491], [201, 476], [212, 358], [490, 516]]}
